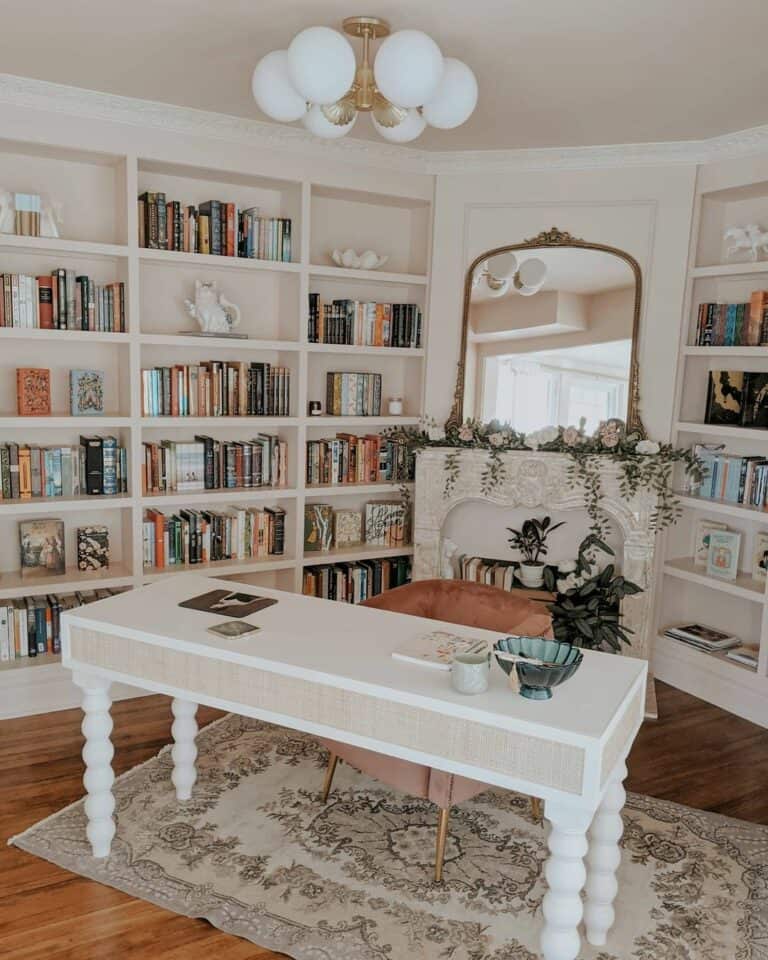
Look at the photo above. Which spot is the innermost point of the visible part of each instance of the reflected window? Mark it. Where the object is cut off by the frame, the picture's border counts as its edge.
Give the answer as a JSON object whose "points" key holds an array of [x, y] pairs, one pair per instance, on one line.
{"points": [[558, 386]]}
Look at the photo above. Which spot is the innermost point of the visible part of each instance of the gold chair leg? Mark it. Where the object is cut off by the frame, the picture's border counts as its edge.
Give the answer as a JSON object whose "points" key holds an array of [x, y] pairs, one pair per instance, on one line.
{"points": [[329, 772], [442, 834], [537, 809]]}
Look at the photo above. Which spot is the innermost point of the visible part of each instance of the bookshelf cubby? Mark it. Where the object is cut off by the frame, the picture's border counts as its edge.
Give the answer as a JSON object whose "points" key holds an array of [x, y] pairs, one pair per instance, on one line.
{"points": [[98, 193], [686, 593]]}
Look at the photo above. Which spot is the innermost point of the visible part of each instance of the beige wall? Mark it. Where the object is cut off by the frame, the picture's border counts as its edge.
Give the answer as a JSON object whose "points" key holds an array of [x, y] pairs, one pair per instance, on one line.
{"points": [[645, 211]]}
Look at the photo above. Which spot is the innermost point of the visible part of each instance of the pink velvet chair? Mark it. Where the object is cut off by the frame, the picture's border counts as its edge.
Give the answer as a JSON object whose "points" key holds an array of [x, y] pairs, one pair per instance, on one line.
{"points": [[452, 601]]}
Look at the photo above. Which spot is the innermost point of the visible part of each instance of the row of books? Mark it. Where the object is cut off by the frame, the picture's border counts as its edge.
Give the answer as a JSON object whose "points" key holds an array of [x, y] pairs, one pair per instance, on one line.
{"points": [[356, 582], [353, 394], [216, 388], [364, 323], [736, 479], [493, 573], [31, 626], [737, 398], [712, 640], [734, 324], [209, 464], [205, 536], [62, 300], [381, 523], [347, 458], [97, 466], [212, 227]]}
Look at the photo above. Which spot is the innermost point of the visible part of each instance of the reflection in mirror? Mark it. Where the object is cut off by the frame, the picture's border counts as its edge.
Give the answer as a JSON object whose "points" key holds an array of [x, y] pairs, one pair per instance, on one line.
{"points": [[549, 337]]}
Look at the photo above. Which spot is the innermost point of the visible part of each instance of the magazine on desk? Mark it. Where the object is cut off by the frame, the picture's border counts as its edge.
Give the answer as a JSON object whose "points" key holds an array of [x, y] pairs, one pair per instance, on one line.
{"points": [[438, 648]]}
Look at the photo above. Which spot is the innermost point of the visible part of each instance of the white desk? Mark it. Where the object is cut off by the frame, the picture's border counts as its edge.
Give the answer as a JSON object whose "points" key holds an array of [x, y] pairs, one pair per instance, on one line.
{"points": [[325, 668]]}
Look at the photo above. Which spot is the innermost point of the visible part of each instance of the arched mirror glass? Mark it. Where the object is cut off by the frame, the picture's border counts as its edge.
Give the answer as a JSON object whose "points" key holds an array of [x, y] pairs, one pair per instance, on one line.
{"points": [[550, 335]]}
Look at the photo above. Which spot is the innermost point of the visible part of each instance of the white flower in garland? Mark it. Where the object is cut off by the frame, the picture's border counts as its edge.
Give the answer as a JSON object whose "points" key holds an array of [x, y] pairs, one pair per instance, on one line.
{"points": [[496, 439], [566, 566], [466, 434], [541, 437], [436, 433], [571, 436], [647, 447]]}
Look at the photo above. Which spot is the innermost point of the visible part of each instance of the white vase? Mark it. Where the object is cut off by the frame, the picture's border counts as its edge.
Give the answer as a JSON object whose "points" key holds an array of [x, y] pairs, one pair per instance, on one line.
{"points": [[531, 574]]}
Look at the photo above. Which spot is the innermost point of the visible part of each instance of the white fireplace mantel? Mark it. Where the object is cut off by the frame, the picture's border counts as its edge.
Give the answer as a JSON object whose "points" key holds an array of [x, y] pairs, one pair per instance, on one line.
{"points": [[538, 480]]}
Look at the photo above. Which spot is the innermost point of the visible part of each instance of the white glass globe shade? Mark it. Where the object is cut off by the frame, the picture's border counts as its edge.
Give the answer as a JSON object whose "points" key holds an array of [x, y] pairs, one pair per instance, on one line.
{"points": [[503, 266], [500, 291], [527, 291], [408, 129], [408, 68], [273, 90], [321, 64], [532, 272], [316, 122], [455, 98]]}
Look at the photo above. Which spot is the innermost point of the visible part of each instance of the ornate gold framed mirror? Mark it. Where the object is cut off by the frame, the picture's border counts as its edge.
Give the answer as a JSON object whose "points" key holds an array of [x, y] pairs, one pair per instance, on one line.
{"points": [[550, 335]]}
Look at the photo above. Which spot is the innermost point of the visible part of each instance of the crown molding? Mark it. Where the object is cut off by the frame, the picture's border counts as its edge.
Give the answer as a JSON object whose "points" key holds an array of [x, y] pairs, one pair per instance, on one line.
{"points": [[91, 104]]}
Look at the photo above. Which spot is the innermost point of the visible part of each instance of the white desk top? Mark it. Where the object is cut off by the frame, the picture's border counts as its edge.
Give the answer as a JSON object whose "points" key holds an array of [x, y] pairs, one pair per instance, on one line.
{"points": [[350, 647]]}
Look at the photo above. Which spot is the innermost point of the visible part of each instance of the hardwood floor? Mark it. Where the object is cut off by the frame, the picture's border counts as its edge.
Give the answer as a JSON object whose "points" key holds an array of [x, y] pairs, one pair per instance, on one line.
{"points": [[695, 754]]}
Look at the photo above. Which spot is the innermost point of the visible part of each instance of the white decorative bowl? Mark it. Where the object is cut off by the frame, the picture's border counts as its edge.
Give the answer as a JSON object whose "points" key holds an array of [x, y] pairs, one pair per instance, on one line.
{"points": [[367, 260]]}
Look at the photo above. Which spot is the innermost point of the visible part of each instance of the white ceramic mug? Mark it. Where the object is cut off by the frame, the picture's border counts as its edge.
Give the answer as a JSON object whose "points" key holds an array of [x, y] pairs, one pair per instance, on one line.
{"points": [[470, 672]]}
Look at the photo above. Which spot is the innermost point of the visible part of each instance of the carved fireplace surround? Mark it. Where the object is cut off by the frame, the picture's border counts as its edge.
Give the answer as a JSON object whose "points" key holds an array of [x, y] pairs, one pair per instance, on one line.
{"points": [[539, 480]]}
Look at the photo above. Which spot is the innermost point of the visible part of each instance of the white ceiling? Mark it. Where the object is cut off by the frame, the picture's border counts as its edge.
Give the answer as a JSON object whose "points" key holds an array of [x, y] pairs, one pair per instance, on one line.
{"points": [[551, 72], [571, 270]]}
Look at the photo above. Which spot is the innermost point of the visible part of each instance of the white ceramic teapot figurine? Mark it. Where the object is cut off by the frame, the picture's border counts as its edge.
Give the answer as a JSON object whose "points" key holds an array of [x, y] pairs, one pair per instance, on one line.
{"points": [[213, 312]]}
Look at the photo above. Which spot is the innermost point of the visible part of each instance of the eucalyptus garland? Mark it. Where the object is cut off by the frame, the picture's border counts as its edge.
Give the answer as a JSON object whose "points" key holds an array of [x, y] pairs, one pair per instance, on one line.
{"points": [[643, 464]]}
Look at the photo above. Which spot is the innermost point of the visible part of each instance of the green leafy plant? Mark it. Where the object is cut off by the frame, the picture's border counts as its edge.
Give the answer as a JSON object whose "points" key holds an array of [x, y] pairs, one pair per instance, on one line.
{"points": [[531, 539], [588, 612]]}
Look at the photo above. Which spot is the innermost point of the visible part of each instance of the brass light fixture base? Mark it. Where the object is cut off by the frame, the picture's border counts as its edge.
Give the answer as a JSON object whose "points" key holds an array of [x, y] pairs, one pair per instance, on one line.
{"points": [[373, 27]]}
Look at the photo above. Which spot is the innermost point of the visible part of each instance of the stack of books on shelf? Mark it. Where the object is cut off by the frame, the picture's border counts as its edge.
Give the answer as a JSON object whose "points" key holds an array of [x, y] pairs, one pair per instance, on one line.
{"points": [[97, 466], [364, 323], [172, 466], [355, 582], [381, 523], [353, 394], [734, 324], [62, 300], [746, 654], [31, 626], [737, 398], [216, 388], [347, 458], [495, 573], [213, 227], [205, 536], [702, 637], [732, 477]]}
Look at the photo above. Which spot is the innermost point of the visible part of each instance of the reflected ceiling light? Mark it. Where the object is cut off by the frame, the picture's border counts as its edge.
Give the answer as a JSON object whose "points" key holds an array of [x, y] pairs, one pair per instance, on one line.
{"points": [[527, 277], [409, 85], [503, 266]]}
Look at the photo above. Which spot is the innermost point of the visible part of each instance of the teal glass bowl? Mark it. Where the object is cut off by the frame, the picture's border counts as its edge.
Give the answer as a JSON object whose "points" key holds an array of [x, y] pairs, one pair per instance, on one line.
{"points": [[561, 661]]}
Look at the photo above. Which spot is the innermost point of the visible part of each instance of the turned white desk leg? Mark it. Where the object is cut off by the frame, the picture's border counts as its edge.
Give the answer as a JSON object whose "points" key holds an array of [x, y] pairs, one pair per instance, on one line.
{"points": [[184, 751], [603, 861], [565, 874], [97, 754]]}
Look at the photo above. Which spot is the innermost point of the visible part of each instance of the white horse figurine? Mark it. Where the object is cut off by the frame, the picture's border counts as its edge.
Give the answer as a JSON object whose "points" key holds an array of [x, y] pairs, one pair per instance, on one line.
{"points": [[751, 238], [213, 312]]}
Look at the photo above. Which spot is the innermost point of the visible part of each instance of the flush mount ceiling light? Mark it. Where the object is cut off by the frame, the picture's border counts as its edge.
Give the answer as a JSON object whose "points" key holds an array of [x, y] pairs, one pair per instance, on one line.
{"points": [[527, 277], [409, 86]]}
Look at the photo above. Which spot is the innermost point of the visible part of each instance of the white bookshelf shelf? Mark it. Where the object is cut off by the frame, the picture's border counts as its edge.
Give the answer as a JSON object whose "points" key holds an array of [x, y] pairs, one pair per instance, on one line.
{"points": [[730, 270], [379, 276], [363, 552], [41, 660], [224, 496], [55, 505], [759, 436], [744, 586], [205, 261], [726, 352], [59, 246], [724, 507], [273, 297]]}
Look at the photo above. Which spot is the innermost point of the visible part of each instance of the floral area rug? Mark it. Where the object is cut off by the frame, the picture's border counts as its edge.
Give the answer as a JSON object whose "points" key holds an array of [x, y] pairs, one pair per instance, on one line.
{"points": [[258, 855]]}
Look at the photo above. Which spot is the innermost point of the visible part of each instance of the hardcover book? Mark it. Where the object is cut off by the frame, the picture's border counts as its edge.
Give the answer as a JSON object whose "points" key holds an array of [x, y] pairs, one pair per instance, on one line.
{"points": [[33, 391], [725, 398], [701, 535], [86, 392], [93, 548], [42, 547], [437, 649], [723, 559], [318, 527], [347, 528], [756, 400], [760, 556]]}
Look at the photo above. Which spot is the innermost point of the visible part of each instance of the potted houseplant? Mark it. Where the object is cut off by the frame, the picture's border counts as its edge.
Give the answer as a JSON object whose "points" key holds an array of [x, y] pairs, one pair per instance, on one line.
{"points": [[587, 607], [531, 541]]}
